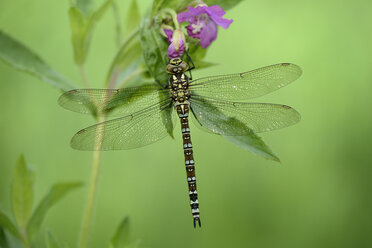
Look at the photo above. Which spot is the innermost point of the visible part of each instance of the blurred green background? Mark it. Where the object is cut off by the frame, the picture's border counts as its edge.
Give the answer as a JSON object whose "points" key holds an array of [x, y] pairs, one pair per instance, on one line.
{"points": [[320, 196]]}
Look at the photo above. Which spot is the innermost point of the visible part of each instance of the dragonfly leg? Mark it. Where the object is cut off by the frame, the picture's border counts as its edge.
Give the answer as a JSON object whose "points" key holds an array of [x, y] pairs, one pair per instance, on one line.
{"points": [[190, 67], [192, 63]]}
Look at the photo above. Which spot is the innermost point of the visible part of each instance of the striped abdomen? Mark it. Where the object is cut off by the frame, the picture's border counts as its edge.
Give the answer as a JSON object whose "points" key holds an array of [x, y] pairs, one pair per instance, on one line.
{"points": [[183, 112]]}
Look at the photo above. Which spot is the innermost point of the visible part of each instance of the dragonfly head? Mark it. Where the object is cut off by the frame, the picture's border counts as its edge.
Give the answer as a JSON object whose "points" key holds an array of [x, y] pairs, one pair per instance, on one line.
{"points": [[177, 65]]}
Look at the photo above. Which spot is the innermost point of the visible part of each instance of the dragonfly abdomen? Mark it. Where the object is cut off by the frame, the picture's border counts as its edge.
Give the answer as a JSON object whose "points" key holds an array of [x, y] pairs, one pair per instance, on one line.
{"points": [[183, 113]]}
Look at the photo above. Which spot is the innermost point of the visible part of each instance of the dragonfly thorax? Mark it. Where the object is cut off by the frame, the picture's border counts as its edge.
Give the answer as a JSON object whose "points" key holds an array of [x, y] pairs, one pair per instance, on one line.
{"points": [[179, 87]]}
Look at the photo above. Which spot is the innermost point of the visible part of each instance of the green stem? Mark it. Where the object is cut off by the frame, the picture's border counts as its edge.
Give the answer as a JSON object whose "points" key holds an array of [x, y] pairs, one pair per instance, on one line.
{"points": [[84, 77], [88, 213], [173, 14], [93, 183]]}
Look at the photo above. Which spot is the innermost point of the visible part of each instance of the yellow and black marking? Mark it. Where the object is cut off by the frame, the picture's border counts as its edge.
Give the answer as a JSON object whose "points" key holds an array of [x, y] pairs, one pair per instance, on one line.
{"points": [[180, 93]]}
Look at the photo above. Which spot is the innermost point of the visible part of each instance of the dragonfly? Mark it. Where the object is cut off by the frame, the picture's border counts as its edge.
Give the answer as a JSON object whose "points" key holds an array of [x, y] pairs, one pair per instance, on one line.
{"points": [[148, 113]]}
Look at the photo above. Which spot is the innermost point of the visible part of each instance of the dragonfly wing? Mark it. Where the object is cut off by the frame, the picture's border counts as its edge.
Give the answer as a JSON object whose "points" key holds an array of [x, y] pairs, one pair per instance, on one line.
{"points": [[246, 85], [128, 132], [237, 118], [112, 102]]}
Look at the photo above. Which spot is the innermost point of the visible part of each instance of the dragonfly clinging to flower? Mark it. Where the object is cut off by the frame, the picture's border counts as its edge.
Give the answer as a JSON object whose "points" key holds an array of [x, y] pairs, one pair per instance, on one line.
{"points": [[147, 111]]}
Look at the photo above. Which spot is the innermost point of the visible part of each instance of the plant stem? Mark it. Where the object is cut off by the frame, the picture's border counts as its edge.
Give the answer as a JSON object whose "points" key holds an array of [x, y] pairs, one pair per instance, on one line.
{"points": [[88, 213], [84, 76], [173, 14], [94, 176]]}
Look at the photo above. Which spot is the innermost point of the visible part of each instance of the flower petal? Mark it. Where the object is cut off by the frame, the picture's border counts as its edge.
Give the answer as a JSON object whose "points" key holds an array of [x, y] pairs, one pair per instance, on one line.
{"points": [[189, 16], [172, 53], [224, 23], [208, 34], [215, 12], [169, 34]]}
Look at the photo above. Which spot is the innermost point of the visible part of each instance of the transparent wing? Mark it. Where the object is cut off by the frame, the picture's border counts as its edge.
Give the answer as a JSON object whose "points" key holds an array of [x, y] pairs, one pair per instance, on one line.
{"points": [[112, 102], [246, 85], [237, 118], [128, 132]]}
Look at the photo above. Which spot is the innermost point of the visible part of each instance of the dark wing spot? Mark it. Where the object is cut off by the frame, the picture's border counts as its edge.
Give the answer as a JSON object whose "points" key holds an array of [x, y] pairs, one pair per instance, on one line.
{"points": [[82, 131], [73, 91], [286, 64], [286, 107]]}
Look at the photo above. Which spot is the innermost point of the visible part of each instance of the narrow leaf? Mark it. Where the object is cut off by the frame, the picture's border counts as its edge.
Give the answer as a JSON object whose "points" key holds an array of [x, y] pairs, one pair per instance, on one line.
{"points": [[82, 28], [56, 193], [133, 17], [225, 5], [50, 241], [200, 64], [84, 5], [220, 123], [183, 4], [8, 225], [22, 58], [197, 54], [3, 240], [178, 5], [118, 25], [129, 54], [156, 6], [22, 192], [121, 236], [78, 29], [254, 144]]}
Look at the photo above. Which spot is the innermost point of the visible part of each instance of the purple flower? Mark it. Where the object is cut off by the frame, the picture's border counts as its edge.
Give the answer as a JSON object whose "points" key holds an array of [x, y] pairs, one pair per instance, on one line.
{"points": [[177, 42], [203, 21]]}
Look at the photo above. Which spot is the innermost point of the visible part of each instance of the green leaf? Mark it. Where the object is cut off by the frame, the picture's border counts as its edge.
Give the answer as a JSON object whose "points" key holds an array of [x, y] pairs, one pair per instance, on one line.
{"points": [[225, 5], [133, 17], [162, 4], [251, 141], [84, 5], [254, 144], [50, 241], [56, 193], [200, 64], [155, 54], [183, 4], [22, 192], [197, 53], [82, 28], [8, 225], [118, 25], [155, 50], [3, 240], [22, 58], [125, 59], [121, 236]]}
